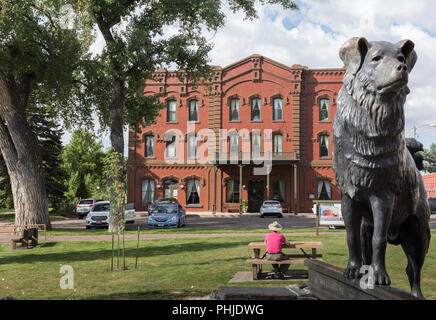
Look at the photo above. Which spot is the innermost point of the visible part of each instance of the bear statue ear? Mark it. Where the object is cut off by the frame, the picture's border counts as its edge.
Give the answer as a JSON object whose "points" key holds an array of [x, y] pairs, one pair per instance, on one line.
{"points": [[353, 52], [407, 48]]}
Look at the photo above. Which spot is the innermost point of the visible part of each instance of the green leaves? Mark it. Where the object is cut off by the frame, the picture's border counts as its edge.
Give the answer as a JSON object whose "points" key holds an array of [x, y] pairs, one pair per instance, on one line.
{"points": [[83, 160], [430, 158], [144, 35], [115, 172]]}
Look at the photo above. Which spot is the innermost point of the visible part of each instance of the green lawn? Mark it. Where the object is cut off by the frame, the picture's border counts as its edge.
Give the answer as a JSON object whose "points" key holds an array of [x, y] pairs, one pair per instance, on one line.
{"points": [[167, 268], [134, 230]]}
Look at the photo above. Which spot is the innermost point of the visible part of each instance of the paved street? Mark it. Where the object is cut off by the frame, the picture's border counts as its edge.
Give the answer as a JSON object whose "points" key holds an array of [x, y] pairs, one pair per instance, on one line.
{"points": [[221, 221]]}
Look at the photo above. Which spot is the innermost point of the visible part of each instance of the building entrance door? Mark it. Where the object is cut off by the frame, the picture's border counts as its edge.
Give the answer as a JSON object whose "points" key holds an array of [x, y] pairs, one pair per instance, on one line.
{"points": [[256, 191], [170, 188]]}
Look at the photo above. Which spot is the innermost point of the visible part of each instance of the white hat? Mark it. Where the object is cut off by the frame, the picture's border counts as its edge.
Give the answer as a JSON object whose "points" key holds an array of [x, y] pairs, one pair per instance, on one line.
{"points": [[275, 226]]}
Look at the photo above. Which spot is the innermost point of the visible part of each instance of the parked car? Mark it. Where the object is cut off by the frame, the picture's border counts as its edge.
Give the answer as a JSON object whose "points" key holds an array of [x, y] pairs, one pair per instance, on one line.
{"points": [[162, 200], [100, 213], [271, 208], [84, 206], [166, 215], [432, 204]]}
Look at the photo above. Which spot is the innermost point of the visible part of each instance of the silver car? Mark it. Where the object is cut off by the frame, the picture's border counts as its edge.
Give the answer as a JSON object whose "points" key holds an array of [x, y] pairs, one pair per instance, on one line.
{"points": [[84, 206], [272, 208], [100, 214]]}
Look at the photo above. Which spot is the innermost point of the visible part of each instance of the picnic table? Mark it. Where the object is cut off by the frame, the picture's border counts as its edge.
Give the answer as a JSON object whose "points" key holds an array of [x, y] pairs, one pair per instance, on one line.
{"points": [[295, 258]]}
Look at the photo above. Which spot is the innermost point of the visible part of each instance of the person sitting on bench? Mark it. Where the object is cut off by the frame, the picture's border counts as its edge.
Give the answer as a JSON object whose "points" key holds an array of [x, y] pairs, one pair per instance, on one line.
{"points": [[274, 242]]}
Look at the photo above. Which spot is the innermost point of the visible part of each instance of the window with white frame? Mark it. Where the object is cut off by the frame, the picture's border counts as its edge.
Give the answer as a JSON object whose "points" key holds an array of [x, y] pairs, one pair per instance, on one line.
{"points": [[193, 191], [149, 146], [234, 110], [324, 150], [193, 110], [192, 146], [255, 143], [234, 144], [170, 150], [277, 143], [277, 109], [279, 190], [324, 191], [147, 191], [232, 191], [324, 109], [255, 109], [171, 111]]}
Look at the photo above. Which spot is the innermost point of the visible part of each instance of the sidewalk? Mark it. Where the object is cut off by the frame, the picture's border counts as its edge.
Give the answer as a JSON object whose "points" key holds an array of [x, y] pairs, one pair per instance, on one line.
{"points": [[167, 236]]}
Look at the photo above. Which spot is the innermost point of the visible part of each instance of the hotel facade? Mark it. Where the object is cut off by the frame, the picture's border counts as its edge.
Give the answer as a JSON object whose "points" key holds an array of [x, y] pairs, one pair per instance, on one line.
{"points": [[259, 130]]}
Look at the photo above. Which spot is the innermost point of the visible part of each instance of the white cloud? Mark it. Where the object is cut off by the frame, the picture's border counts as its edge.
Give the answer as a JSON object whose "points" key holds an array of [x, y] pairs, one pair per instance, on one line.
{"points": [[314, 34]]}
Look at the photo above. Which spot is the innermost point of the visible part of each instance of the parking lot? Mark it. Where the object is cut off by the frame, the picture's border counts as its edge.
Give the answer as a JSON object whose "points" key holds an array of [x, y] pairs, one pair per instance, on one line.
{"points": [[209, 221], [222, 221]]}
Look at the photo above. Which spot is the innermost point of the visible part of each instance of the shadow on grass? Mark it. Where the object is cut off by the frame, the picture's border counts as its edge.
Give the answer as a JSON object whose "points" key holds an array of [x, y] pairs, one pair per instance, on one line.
{"points": [[96, 254], [47, 244], [149, 295]]}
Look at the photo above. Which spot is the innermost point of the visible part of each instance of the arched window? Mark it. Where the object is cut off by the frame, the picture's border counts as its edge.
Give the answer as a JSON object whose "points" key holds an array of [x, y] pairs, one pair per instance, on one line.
{"points": [[171, 188], [324, 149], [324, 191], [193, 110], [277, 109], [193, 191], [234, 110], [149, 146], [232, 191], [255, 109], [324, 109], [171, 111], [147, 191]]}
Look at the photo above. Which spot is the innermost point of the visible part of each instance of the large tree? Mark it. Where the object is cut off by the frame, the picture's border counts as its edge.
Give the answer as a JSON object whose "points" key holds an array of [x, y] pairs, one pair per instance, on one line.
{"points": [[49, 136], [430, 158], [136, 44], [40, 51]]}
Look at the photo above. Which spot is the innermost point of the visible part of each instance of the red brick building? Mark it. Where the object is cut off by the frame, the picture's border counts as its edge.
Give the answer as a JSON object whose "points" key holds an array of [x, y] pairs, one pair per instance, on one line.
{"points": [[207, 146], [430, 184]]}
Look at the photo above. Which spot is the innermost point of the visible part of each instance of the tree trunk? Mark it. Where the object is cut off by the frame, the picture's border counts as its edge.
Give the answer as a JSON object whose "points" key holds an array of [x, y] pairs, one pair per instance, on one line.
{"points": [[19, 147], [117, 142], [115, 110]]}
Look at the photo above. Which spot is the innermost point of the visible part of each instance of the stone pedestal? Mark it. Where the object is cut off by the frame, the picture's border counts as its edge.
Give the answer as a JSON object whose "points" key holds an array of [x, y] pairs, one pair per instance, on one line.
{"points": [[326, 282]]}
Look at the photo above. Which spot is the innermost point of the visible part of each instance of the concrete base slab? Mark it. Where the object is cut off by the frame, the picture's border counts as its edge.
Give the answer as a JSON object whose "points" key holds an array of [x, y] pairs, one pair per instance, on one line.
{"points": [[255, 293], [292, 292]]}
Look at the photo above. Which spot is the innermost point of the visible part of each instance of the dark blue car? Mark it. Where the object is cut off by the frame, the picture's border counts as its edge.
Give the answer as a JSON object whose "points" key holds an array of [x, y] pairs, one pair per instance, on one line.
{"points": [[166, 215]]}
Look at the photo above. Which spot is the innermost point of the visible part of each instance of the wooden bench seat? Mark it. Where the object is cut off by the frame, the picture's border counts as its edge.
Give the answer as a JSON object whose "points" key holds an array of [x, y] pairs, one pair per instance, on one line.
{"points": [[295, 258], [27, 237], [265, 261]]}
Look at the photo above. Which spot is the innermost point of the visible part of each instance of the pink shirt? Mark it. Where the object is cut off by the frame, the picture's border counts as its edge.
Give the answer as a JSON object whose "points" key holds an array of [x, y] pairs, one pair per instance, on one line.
{"points": [[274, 242]]}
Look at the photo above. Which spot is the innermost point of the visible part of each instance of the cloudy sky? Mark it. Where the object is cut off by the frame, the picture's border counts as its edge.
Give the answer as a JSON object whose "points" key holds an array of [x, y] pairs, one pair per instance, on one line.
{"points": [[313, 34]]}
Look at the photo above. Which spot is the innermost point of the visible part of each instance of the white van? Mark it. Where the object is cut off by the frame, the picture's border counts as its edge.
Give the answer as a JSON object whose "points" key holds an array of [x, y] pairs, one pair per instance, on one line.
{"points": [[100, 213]]}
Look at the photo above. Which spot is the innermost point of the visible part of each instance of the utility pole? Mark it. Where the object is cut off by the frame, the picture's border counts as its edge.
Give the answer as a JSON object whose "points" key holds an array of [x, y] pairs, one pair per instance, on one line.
{"points": [[414, 132]]}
